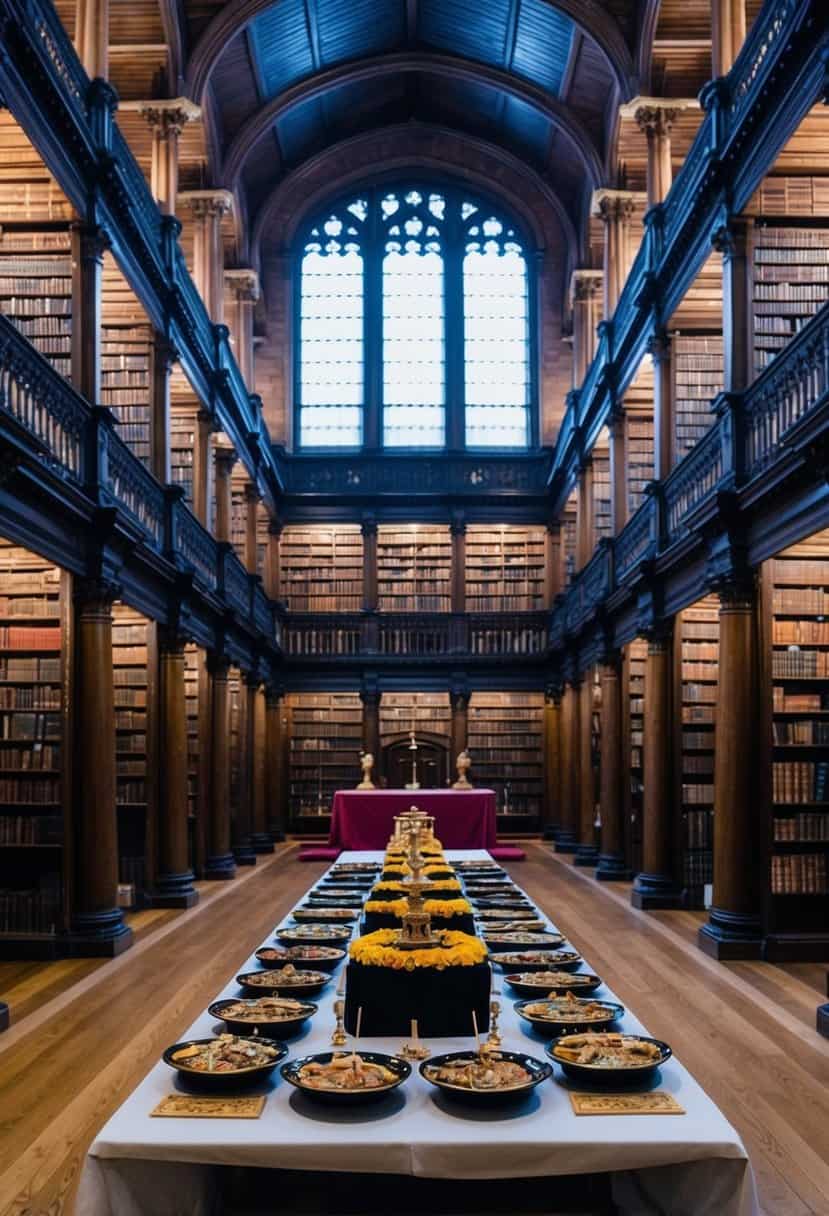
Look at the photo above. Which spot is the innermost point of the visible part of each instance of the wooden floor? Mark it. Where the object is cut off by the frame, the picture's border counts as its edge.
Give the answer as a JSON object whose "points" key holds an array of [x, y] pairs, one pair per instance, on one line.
{"points": [[84, 1033]]}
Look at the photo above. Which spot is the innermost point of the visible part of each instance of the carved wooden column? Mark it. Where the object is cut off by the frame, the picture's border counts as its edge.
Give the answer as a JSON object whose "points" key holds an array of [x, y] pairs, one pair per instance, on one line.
{"points": [[616, 427], [552, 764], [615, 207], [664, 421], [733, 929], [206, 208], [224, 460], [733, 241], [655, 116], [369, 531], [586, 854], [162, 357], [370, 698], [586, 303], [174, 888], [457, 528], [728, 33], [242, 817], [92, 36], [459, 698], [261, 839], [612, 775], [585, 516], [655, 886], [97, 925], [219, 863], [244, 290], [251, 531], [203, 467], [166, 120], [272, 562], [567, 838], [276, 769], [552, 562], [89, 243]]}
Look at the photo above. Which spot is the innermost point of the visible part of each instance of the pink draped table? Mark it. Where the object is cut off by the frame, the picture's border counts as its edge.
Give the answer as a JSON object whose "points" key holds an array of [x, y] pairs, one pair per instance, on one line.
{"points": [[364, 819]]}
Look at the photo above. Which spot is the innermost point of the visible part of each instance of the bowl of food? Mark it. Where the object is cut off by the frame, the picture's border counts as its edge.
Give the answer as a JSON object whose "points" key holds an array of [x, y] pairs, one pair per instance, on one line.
{"points": [[538, 960], [321, 958], [502, 903], [347, 1077], [555, 982], [356, 867], [501, 914], [283, 981], [498, 940], [488, 1077], [325, 934], [555, 1015], [275, 1017], [308, 913], [333, 901], [609, 1058], [227, 1062]]}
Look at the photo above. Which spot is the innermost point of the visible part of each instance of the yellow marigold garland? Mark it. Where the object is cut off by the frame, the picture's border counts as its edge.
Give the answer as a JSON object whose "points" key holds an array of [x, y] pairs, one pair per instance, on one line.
{"points": [[435, 907], [445, 884], [378, 950]]}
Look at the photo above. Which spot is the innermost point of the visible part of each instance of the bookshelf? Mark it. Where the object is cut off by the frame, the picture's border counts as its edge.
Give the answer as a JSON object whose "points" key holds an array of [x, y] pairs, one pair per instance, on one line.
{"points": [[697, 640], [325, 747], [603, 521], [638, 457], [414, 567], [505, 741], [568, 540], [126, 338], [697, 367], [35, 599], [421, 712], [182, 446], [634, 658], [795, 599], [134, 660], [791, 282], [36, 287], [193, 683], [321, 568], [505, 568], [238, 517]]}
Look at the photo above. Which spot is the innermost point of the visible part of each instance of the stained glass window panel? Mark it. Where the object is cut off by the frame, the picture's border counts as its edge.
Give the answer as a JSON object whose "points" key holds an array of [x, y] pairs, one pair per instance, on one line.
{"points": [[496, 342], [331, 345], [413, 346]]}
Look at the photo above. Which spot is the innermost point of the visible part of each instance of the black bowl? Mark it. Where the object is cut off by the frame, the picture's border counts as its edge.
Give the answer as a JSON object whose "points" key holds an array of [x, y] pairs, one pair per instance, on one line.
{"points": [[274, 988], [355, 868], [401, 1068], [505, 903], [503, 945], [315, 900], [303, 964], [617, 1078], [351, 883], [285, 1028], [541, 990], [570, 961], [307, 914], [288, 936], [223, 1081], [552, 1028], [539, 1071]]}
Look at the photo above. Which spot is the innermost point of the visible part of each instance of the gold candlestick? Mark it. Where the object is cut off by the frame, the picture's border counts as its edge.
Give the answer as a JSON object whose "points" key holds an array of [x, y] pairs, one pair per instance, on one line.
{"points": [[414, 784], [493, 1042], [338, 1038]]}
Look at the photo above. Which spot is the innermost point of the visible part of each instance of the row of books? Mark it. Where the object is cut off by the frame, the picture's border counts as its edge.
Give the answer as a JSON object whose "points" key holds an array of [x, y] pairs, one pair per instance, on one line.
{"points": [[697, 868], [694, 765], [126, 697], [29, 637], [31, 829], [127, 720], [29, 605], [696, 793], [37, 911], [132, 743], [802, 599], [798, 702], [22, 725], [322, 641], [699, 827], [131, 791], [41, 756], [792, 663], [799, 874], [696, 693], [30, 696], [802, 827], [38, 791], [800, 632], [800, 781], [807, 733], [506, 641]]}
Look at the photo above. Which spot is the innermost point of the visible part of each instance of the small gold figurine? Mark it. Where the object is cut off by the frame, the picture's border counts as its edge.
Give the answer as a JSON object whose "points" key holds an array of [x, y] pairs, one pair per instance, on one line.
{"points": [[463, 765], [493, 1041], [414, 1049], [366, 764], [338, 1038]]}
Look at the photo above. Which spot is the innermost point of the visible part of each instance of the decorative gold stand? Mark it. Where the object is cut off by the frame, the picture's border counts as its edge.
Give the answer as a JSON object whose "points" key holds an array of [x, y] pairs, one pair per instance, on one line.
{"points": [[416, 930], [463, 765], [366, 764], [338, 1038]]}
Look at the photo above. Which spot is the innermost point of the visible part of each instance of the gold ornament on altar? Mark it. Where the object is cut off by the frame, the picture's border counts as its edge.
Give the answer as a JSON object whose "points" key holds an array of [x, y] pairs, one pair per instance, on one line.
{"points": [[463, 765], [414, 784], [416, 928], [493, 1042], [367, 764]]}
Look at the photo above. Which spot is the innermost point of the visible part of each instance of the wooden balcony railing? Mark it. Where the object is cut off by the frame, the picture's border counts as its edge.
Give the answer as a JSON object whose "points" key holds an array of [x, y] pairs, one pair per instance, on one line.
{"points": [[424, 635]]}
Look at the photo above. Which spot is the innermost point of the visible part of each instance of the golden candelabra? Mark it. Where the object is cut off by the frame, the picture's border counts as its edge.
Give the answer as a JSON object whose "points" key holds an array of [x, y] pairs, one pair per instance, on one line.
{"points": [[416, 930]]}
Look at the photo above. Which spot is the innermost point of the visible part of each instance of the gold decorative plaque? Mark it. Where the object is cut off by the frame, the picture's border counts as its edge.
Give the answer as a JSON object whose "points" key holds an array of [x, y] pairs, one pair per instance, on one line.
{"points": [[187, 1106], [655, 1103]]}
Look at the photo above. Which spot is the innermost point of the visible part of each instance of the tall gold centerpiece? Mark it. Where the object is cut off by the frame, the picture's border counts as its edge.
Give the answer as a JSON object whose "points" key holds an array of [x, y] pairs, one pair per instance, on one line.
{"points": [[416, 928]]}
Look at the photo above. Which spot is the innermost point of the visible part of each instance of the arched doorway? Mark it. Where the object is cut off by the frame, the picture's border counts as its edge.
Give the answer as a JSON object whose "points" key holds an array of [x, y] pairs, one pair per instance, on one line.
{"points": [[432, 762]]}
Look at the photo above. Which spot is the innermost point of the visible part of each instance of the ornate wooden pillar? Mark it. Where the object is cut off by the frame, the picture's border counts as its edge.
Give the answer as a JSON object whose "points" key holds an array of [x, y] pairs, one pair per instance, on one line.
{"points": [[655, 116], [219, 863], [459, 699], [92, 36], [614, 207], [174, 887], [162, 357], [369, 530], [585, 516], [224, 460], [261, 839], [203, 467], [251, 531], [733, 241], [166, 120], [587, 853], [664, 422], [586, 303], [551, 817], [206, 209], [612, 775], [566, 840], [97, 923], [617, 427], [242, 806], [733, 929], [458, 530], [655, 886], [370, 697], [728, 33], [244, 289], [89, 243], [277, 738]]}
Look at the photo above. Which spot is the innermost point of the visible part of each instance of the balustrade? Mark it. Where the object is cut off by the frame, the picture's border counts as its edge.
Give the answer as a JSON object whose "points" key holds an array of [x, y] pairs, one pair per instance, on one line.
{"points": [[637, 541], [693, 480]]}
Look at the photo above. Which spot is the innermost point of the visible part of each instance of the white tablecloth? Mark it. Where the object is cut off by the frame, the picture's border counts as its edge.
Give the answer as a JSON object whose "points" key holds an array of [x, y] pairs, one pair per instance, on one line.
{"points": [[679, 1165]]}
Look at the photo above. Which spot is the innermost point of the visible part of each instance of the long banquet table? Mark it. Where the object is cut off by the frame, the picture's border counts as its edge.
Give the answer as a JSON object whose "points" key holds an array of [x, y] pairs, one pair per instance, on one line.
{"points": [[364, 819], [679, 1165]]}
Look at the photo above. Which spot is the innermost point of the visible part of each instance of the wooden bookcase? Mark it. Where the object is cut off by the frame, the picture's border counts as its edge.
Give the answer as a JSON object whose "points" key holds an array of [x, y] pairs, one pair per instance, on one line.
{"points": [[634, 658], [505, 568], [697, 369], [325, 747], [506, 743], [182, 445], [638, 457], [126, 338], [135, 666], [36, 287], [791, 282], [602, 520], [795, 622], [194, 698], [238, 517], [35, 799], [414, 568], [321, 568], [568, 540], [421, 712], [696, 640]]}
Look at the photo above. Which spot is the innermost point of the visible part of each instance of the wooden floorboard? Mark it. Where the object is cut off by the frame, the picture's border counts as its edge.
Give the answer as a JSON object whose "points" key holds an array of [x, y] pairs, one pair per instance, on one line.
{"points": [[86, 1032]]}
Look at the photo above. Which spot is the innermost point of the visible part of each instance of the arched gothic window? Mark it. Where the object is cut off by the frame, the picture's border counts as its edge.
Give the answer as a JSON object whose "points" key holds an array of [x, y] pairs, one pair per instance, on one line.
{"points": [[414, 324]]}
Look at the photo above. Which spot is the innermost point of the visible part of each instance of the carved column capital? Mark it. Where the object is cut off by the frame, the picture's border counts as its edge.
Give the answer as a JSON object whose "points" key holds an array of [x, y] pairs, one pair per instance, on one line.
{"points": [[656, 114], [96, 593], [585, 285], [168, 117], [368, 526], [92, 241], [225, 459], [659, 345], [615, 205], [243, 282], [203, 204]]}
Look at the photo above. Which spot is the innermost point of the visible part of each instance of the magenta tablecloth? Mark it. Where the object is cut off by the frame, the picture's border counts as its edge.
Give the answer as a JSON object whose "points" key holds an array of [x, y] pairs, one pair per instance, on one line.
{"points": [[364, 819]]}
